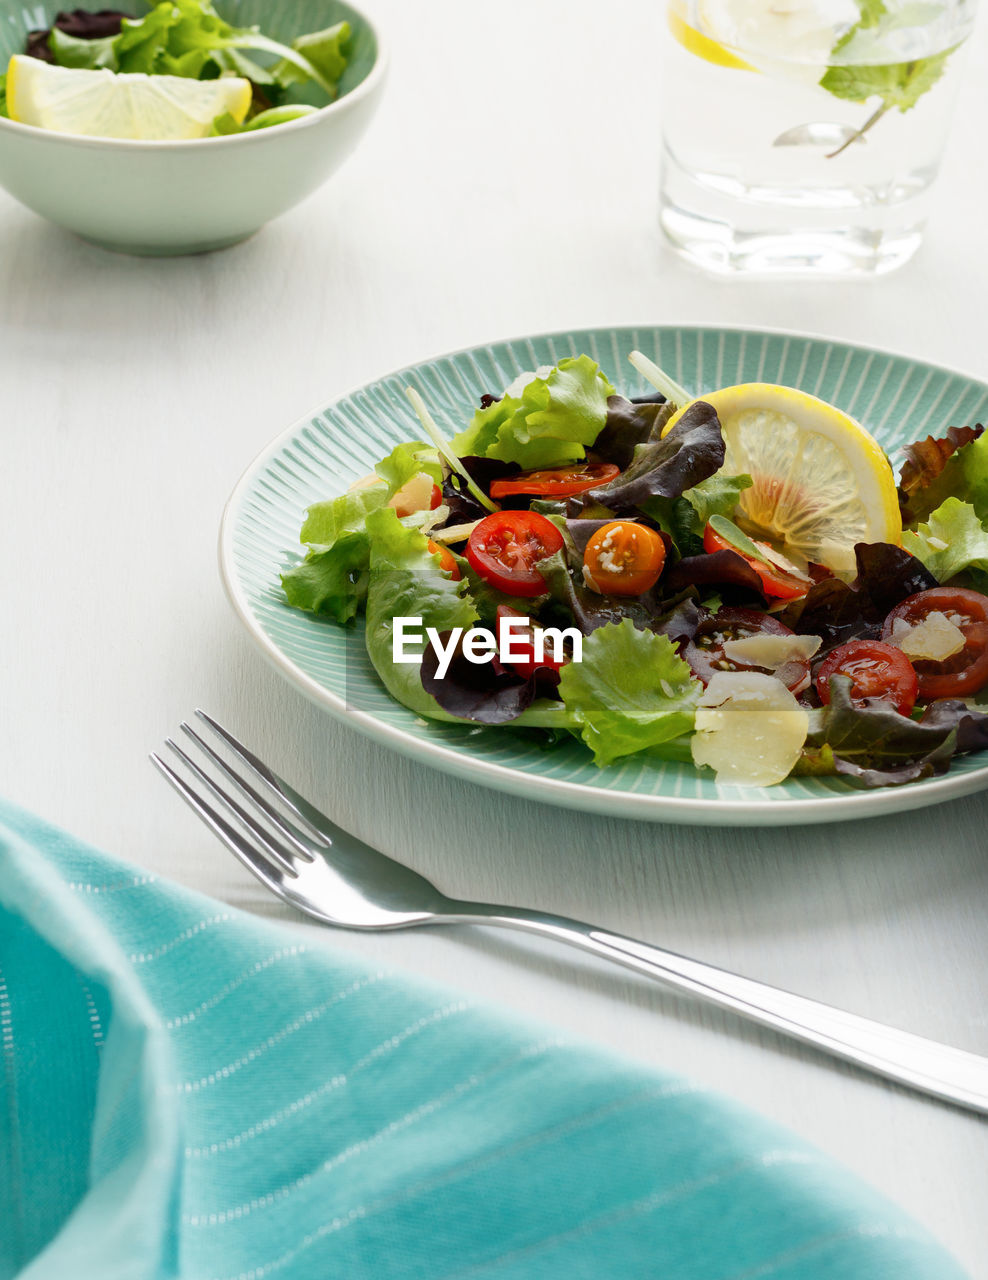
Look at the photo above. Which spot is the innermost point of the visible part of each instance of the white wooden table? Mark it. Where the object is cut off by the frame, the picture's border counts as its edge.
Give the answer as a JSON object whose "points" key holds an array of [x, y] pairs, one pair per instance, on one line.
{"points": [[134, 393]]}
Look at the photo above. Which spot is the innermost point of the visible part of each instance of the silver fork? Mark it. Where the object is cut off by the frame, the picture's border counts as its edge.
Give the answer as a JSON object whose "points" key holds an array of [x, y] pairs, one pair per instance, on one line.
{"points": [[323, 871]]}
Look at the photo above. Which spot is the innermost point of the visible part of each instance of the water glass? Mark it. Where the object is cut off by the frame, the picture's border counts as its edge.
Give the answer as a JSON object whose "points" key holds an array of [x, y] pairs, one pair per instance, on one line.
{"points": [[804, 136]]}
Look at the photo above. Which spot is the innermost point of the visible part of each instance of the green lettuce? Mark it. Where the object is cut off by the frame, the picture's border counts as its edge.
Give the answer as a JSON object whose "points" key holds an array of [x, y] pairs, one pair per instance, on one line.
{"points": [[685, 518], [631, 691], [545, 422], [92, 55], [404, 582], [952, 541], [180, 37], [332, 579]]}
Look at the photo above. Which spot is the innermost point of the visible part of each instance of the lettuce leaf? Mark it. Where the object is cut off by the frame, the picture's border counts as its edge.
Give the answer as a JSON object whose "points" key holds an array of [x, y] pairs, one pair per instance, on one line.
{"points": [[690, 453], [545, 421], [631, 691], [685, 518], [485, 692], [87, 54], [404, 582], [323, 49], [332, 579], [631, 423], [873, 745], [180, 37], [952, 541], [956, 465], [838, 612]]}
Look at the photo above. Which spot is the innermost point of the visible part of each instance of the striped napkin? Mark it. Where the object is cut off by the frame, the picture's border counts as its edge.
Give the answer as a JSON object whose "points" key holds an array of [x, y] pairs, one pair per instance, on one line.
{"points": [[186, 1091]]}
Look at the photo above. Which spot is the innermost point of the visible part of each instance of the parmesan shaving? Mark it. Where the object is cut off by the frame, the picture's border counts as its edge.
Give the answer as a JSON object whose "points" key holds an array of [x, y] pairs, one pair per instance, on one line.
{"points": [[770, 651], [749, 729], [932, 640]]}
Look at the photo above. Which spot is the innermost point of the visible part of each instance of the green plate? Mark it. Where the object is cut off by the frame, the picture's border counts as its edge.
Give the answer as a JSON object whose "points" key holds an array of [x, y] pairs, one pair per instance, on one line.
{"points": [[898, 399]]}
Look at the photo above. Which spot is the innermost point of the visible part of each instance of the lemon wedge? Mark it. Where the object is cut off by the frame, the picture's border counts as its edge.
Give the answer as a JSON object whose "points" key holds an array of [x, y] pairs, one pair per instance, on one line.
{"points": [[102, 104], [821, 483]]}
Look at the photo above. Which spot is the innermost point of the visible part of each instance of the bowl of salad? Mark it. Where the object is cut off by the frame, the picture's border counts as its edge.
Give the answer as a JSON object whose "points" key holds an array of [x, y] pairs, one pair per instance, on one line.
{"points": [[180, 127], [763, 605]]}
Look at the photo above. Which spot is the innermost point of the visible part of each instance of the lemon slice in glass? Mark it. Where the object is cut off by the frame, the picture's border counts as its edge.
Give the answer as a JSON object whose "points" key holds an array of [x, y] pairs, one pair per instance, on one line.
{"points": [[696, 42], [821, 483], [102, 104]]}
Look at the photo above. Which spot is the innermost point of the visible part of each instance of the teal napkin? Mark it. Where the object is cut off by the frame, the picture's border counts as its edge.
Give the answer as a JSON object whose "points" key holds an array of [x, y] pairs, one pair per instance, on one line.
{"points": [[187, 1091]]}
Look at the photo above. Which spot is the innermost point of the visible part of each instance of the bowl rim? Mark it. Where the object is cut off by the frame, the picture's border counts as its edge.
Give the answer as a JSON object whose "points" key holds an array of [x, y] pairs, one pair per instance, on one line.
{"points": [[346, 101]]}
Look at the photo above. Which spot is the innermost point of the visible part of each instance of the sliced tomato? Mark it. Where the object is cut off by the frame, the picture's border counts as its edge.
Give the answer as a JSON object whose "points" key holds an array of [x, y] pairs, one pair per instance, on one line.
{"points": [[623, 559], [420, 493], [776, 582], [705, 652], [877, 670], [447, 560], [966, 671], [523, 632], [505, 548], [561, 482]]}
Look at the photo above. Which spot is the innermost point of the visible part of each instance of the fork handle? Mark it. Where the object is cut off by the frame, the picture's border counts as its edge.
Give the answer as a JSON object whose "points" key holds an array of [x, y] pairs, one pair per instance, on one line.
{"points": [[933, 1068]]}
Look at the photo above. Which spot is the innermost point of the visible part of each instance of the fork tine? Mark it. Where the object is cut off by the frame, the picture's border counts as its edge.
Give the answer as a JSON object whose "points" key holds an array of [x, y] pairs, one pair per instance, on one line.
{"points": [[282, 856], [254, 861], [321, 827], [280, 823]]}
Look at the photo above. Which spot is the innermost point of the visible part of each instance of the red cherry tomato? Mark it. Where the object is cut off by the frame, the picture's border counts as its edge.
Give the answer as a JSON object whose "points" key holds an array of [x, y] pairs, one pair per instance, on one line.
{"points": [[561, 482], [965, 672], [523, 634], [877, 670], [623, 559], [705, 652], [775, 581], [505, 549], [447, 560]]}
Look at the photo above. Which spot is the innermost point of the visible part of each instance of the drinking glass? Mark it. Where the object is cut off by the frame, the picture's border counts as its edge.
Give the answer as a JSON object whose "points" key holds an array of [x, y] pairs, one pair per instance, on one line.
{"points": [[804, 136]]}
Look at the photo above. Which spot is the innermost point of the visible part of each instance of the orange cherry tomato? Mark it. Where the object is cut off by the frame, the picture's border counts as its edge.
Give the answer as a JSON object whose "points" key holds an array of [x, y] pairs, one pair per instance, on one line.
{"points": [[623, 559], [561, 482], [775, 581], [447, 561]]}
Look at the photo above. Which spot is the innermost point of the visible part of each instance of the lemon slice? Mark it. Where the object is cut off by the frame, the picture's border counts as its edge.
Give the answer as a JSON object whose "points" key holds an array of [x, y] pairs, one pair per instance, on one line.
{"points": [[790, 39], [696, 42], [102, 104], [821, 483]]}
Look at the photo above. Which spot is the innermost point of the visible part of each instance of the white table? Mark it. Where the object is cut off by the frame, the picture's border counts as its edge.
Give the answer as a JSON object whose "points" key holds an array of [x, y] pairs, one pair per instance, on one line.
{"points": [[136, 391]]}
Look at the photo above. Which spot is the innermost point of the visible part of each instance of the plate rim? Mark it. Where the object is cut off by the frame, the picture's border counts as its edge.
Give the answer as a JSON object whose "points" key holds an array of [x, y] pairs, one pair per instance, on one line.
{"points": [[577, 795]]}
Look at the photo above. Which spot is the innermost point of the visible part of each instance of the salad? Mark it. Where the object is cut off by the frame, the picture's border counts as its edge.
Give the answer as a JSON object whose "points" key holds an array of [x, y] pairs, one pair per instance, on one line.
{"points": [[181, 70], [737, 580]]}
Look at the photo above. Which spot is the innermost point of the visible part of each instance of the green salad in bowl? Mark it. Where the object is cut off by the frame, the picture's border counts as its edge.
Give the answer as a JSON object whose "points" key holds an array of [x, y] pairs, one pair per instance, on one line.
{"points": [[151, 131], [180, 70]]}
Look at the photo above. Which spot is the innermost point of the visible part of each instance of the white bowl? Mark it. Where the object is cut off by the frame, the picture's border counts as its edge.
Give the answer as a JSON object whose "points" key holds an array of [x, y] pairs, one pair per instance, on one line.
{"points": [[164, 198]]}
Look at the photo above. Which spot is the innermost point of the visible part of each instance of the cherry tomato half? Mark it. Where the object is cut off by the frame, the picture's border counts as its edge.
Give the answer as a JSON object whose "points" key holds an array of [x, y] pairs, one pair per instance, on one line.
{"points": [[506, 547], [775, 581], [705, 652], [523, 633], [877, 670], [623, 559], [965, 672], [561, 482], [447, 560]]}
